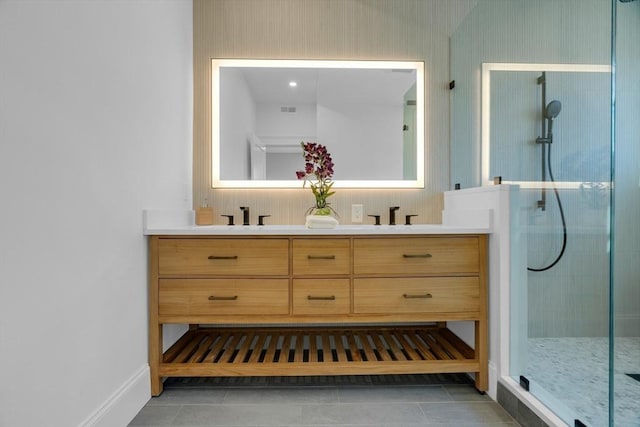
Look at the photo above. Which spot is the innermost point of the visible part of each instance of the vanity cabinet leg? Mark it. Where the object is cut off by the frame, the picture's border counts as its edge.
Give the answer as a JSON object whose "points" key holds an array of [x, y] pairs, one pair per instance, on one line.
{"points": [[155, 327], [156, 385], [155, 358], [481, 340]]}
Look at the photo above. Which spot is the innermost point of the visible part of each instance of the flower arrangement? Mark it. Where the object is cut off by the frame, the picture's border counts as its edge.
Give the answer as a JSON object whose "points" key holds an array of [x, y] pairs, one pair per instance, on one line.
{"points": [[318, 172]]}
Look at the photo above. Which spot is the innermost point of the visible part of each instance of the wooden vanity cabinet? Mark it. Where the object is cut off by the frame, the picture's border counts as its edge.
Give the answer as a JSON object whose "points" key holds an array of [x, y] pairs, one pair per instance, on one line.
{"points": [[317, 305]]}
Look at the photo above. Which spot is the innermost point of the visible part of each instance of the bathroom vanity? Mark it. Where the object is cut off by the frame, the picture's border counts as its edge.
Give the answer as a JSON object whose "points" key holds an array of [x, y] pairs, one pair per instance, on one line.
{"points": [[286, 300]]}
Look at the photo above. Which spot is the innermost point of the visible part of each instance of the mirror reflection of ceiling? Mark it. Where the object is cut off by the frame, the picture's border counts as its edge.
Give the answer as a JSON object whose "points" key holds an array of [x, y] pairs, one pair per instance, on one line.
{"points": [[270, 85]]}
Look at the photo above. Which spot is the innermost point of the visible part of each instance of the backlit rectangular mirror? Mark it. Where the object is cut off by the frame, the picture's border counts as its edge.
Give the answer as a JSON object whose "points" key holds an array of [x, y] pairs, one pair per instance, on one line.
{"points": [[369, 115]]}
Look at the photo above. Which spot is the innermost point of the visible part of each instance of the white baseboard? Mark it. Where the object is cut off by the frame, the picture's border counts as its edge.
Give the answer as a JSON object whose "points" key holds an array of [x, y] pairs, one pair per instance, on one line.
{"points": [[493, 381], [123, 405]]}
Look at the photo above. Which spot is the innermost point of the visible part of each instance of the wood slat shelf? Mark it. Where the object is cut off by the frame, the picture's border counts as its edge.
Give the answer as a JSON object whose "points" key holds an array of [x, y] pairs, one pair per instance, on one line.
{"points": [[316, 351]]}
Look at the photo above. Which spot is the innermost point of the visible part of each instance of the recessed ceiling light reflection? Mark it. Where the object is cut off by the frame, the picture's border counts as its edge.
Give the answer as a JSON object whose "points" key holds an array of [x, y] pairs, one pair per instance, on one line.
{"points": [[293, 84]]}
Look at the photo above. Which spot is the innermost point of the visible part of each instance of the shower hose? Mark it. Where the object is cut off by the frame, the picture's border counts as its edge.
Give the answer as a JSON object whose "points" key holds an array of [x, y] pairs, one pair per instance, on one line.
{"points": [[564, 223]]}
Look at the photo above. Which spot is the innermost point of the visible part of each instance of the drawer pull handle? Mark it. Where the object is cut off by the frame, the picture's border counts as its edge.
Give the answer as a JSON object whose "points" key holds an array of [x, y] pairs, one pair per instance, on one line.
{"points": [[217, 298], [321, 256], [408, 296], [223, 257], [323, 298], [417, 255]]}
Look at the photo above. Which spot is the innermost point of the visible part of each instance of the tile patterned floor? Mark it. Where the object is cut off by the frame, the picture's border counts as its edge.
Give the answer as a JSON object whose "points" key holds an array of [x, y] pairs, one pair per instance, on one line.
{"points": [[321, 401]]}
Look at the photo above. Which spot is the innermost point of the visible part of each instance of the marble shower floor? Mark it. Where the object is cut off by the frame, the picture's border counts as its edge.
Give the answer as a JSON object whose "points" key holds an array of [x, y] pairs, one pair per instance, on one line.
{"points": [[576, 372]]}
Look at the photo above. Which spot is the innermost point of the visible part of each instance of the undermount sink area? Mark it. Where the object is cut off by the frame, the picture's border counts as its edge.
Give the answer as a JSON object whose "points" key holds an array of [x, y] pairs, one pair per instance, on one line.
{"points": [[182, 223], [301, 229]]}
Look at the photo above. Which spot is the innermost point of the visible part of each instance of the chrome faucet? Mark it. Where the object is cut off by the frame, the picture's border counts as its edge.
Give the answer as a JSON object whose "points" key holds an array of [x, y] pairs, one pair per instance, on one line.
{"points": [[392, 214], [245, 215]]}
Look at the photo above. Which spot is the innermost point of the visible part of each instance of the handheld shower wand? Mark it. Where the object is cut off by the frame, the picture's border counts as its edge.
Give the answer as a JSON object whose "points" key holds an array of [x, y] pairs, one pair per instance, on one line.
{"points": [[551, 111]]}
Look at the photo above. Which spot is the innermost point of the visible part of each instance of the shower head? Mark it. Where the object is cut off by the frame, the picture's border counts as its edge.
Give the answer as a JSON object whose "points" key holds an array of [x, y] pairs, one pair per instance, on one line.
{"points": [[552, 110]]}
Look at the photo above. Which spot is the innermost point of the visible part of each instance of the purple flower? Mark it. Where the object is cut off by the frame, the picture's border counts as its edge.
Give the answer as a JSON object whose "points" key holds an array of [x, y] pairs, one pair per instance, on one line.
{"points": [[318, 171], [308, 168]]}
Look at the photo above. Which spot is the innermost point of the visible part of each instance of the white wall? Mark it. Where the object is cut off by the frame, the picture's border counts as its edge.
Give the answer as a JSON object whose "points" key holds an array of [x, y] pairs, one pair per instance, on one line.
{"points": [[95, 125], [360, 140], [276, 127], [238, 122]]}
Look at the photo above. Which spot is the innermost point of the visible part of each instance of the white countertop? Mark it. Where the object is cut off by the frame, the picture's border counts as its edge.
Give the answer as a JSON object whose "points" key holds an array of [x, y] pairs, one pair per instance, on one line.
{"points": [[181, 223]]}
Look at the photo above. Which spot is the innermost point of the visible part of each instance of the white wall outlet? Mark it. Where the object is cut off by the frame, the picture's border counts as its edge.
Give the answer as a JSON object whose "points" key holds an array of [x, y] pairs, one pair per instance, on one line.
{"points": [[357, 213]]}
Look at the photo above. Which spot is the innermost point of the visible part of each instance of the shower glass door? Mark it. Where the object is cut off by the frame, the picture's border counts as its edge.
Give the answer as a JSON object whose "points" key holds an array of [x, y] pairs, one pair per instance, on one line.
{"points": [[625, 373], [568, 252], [550, 132], [548, 128]]}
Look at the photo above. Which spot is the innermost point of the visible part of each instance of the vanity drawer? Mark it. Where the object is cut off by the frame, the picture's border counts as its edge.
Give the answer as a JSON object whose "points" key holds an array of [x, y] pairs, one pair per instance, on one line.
{"points": [[321, 296], [183, 297], [223, 257], [424, 255], [321, 256], [416, 295]]}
